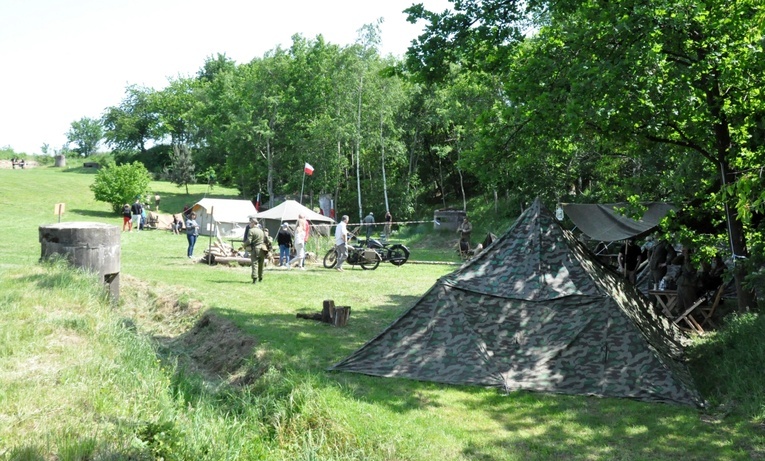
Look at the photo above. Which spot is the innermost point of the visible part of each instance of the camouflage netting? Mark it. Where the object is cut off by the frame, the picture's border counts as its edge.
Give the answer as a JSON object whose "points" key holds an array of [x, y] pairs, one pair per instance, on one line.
{"points": [[534, 311]]}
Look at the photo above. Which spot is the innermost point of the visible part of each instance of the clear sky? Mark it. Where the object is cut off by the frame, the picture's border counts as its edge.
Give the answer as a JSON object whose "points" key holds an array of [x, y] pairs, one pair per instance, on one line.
{"points": [[63, 60]]}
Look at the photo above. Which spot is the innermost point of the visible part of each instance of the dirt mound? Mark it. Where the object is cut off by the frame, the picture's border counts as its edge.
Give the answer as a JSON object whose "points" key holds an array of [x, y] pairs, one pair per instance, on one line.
{"points": [[160, 310], [211, 345], [215, 347]]}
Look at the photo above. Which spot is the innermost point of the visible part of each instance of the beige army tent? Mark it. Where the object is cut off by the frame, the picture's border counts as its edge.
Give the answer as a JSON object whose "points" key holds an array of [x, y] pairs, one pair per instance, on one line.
{"points": [[224, 218], [288, 211]]}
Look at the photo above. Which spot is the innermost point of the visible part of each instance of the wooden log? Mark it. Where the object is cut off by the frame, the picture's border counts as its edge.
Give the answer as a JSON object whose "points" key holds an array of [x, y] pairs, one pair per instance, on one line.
{"points": [[232, 259], [342, 313], [328, 311]]}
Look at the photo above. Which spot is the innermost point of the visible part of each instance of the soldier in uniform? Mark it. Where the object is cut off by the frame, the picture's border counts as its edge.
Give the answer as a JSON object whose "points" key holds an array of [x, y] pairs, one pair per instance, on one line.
{"points": [[258, 250]]}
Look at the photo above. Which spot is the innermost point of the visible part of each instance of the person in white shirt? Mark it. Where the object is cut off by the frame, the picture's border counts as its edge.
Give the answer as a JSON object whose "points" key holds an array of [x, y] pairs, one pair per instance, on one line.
{"points": [[341, 242]]}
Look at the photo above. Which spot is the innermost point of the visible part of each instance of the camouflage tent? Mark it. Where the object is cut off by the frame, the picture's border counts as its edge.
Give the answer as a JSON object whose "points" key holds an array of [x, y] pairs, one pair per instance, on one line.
{"points": [[534, 311]]}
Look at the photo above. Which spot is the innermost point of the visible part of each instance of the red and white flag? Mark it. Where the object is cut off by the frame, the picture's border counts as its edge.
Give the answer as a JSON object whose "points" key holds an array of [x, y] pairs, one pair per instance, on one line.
{"points": [[257, 203], [308, 169]]}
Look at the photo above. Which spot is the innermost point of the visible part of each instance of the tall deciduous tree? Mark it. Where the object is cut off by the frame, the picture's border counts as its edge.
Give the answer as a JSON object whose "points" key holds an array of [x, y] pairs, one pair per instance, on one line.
{"points": [[134, 122], [87, 134], [682, 76]]}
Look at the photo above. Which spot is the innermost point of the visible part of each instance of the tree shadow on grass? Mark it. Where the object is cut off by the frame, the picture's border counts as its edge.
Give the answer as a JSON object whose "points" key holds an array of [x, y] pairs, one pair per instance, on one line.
{"points": [[525, 425], [547, 426], [81, 170], [97, 214]]}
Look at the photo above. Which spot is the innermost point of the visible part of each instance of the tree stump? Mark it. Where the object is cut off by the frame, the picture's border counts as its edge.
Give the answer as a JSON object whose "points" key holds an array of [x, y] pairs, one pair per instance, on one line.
{"points": [[340, 318], [328, 311]]}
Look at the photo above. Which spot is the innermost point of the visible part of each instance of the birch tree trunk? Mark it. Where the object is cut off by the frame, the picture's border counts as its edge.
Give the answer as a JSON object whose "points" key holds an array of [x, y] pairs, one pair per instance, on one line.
{"points": [[382, 151], [358, 147]]}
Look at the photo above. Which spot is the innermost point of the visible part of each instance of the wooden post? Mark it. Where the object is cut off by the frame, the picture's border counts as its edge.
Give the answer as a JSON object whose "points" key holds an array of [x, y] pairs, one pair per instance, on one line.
{"points": [[59, 210], [209, 244], [341, 316], [328, 311]]}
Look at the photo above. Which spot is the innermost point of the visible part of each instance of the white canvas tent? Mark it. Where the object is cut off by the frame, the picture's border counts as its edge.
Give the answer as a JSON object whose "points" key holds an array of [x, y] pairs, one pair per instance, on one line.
{"points": [[288, 211], [224, 218]]}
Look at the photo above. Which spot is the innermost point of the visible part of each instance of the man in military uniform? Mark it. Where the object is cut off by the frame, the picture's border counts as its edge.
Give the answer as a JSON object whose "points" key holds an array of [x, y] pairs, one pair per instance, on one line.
{"points": [[257, 248], [369, 223]]}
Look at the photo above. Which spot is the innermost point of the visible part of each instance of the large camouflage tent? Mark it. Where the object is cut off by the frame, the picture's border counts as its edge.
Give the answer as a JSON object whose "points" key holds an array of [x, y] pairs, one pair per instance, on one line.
{"points": [[534, 311]]}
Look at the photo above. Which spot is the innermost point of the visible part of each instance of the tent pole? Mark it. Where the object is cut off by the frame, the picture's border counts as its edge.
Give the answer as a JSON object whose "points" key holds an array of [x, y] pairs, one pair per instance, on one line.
{"points": [[209, 245]]}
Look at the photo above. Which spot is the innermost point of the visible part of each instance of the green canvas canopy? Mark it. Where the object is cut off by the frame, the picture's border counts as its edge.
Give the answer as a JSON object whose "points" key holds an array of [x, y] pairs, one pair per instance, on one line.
{"points": [[534, 311]]}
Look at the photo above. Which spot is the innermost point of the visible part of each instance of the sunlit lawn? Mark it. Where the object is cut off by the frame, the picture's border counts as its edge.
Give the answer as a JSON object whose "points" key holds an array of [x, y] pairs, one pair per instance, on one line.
{"points": [[387, 418]]}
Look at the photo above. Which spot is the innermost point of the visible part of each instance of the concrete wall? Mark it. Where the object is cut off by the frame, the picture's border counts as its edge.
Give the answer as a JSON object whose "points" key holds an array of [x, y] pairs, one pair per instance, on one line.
{"points": [[87, 245]]}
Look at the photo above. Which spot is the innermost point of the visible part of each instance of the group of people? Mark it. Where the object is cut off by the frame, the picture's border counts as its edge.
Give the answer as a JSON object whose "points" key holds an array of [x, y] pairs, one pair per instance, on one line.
{"points": [[18, 162], [258, 243], [670, 269], [133, 216], [369, 223]]}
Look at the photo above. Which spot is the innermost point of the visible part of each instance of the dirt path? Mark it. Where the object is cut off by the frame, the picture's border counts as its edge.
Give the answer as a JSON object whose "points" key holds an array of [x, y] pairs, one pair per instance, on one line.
{"points": [[8, 165]]}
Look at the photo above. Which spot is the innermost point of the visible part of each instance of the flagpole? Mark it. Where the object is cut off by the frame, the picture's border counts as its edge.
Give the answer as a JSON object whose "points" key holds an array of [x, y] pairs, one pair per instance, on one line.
{"points": [[302, 187]]}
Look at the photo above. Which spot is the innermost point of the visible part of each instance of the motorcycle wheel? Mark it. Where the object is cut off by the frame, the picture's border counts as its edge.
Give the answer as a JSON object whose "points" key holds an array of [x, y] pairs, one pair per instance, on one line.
{"points": [[370, 266], [330, 259], [398, 254]]}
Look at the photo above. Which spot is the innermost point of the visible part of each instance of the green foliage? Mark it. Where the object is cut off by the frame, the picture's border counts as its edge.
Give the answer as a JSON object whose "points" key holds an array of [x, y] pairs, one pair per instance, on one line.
{"points": [[120, 184], [181, 169], [606, 100], [208, 177], [86, 133], [731, 360], [133, 123]]}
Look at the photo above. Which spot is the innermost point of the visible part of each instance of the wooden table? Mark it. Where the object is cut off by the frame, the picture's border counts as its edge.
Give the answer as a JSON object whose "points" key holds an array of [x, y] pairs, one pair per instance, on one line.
{"points": [[667, 300]]}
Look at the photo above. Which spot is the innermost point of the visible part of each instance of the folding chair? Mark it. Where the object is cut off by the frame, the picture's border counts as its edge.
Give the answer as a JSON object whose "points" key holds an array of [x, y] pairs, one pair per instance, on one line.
{"points": [[686, 316], [708, 311]]}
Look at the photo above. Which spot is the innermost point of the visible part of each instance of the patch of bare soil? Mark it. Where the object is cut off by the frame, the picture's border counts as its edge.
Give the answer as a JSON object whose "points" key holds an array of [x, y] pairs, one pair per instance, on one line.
{"points": [[208, 344], [160, 310], [215, 348]]}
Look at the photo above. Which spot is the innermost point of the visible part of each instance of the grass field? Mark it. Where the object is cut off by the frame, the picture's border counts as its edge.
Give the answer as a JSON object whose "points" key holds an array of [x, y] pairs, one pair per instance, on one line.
{"points": [[196, 363]]}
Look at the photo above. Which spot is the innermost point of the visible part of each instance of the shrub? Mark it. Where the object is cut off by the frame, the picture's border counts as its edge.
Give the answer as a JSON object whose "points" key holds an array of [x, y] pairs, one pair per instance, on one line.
{"points": [[120, 184]]}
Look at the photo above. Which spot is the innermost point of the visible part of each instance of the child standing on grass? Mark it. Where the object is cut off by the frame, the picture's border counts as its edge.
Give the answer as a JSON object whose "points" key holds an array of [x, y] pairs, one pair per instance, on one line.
{"points": [[126, 218]]}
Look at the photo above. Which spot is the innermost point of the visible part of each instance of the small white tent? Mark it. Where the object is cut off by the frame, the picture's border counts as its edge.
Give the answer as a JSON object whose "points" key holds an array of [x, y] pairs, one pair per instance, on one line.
{"points": [[288, 211], [224, 218]]}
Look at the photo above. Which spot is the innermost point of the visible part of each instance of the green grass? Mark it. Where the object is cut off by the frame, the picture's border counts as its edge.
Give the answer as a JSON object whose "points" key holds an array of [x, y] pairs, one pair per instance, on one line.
{"points": [[80, 379]]}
